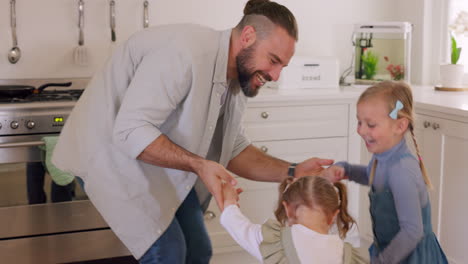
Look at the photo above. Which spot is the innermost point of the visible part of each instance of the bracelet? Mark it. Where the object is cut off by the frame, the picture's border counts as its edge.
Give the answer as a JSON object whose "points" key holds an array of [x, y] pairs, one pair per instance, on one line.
{"points": [[292, 169]]}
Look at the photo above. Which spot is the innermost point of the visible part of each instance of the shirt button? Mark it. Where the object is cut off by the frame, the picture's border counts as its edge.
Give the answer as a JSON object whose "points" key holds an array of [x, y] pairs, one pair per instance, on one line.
{"points": [[159, 231], [211, 128], [187, 187]]}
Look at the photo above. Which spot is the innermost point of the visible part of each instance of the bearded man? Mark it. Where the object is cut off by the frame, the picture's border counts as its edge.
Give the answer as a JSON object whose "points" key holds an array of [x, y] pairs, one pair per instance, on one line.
{"points": [[158, 131]]}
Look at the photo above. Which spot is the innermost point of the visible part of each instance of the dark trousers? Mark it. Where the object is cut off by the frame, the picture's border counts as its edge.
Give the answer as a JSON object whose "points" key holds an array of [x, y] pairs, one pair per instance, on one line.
{"points": [[35, 174]]}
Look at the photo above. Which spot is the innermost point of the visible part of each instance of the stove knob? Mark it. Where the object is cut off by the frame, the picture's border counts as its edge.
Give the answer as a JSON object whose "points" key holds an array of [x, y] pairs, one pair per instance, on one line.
{"points": [[14, 124], [30, 124]]}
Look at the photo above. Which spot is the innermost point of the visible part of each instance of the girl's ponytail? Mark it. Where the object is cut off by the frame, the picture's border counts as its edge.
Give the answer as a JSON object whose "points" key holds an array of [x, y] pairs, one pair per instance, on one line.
{"points": [[280, 212], [344, 221]]}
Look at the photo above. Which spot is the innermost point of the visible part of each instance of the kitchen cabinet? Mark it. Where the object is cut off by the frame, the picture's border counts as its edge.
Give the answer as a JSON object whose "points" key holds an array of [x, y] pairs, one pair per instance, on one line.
{"points": [[444, 146], [292, 127]]}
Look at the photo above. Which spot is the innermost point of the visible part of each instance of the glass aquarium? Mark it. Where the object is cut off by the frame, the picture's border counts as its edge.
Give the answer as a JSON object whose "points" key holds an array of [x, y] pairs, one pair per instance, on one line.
{"points": [[382, 51]]}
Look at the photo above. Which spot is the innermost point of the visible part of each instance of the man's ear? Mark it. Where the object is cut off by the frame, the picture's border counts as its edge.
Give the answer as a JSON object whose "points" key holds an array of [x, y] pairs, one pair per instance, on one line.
{"points": [[248, 36]]}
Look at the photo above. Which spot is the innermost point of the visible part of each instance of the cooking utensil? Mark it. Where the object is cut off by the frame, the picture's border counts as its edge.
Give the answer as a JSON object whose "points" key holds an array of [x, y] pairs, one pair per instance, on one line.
{"points": [[15, 53], [112, 20], [145, 14], [22, 91], [80, 53]]}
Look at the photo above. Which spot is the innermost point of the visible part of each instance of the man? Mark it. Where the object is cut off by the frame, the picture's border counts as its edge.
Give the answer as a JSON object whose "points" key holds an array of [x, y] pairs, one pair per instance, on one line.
{"points": [[164, 116]]}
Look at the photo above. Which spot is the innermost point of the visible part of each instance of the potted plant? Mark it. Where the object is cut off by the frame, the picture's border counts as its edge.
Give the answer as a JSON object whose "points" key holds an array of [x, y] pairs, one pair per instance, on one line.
{"points": [[451, 75]]}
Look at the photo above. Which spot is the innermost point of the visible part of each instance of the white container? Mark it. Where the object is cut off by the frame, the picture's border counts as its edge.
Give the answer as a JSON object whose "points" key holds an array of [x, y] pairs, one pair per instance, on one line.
{"points": [[451, 75], [306, 72]]}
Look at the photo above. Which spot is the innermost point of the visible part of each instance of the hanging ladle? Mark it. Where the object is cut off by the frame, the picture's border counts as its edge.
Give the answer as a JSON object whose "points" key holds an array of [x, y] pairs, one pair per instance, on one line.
{"points": [[15, 53]]}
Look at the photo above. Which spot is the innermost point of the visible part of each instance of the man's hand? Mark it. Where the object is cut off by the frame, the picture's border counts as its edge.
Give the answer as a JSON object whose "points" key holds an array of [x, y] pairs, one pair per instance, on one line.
{"points": [[213, 176], [333, 173], [311, 167], [230, 194]]}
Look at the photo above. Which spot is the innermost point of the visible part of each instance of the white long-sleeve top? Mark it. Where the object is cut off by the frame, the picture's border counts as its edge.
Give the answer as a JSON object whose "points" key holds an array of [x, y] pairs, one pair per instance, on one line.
{"points": [[311, 247]]}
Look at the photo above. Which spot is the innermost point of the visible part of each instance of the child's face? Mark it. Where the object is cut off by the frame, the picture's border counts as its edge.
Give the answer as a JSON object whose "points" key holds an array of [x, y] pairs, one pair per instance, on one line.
{"points": [[379, 131]]}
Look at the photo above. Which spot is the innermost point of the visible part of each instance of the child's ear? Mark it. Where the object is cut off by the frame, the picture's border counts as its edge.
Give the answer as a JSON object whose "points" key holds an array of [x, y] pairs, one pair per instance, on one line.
{"points": [[402, 125], [290, 214], [332, 219]]}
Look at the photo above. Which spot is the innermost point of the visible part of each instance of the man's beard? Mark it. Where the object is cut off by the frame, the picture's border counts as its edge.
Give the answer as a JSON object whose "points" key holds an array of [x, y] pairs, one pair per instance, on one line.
{"points": [[246, 72]]}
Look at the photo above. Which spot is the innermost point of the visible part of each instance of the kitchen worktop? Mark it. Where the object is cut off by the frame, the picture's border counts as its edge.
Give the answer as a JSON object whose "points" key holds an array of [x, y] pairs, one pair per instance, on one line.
{"points": [[453, 105]]}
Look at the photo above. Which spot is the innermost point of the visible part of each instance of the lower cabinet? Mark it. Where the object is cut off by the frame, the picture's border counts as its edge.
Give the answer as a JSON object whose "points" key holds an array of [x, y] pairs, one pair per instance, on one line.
{"points": [[294, 133], [444, 146]]}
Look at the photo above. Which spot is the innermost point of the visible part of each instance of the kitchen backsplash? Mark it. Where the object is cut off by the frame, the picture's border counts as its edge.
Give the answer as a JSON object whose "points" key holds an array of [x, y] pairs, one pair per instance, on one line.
{"points": [[48, 29]]}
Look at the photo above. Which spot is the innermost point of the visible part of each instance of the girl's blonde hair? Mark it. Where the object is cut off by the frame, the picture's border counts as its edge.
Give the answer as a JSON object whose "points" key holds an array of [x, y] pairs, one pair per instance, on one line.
{"points": [[391, 92], [315, 192]]}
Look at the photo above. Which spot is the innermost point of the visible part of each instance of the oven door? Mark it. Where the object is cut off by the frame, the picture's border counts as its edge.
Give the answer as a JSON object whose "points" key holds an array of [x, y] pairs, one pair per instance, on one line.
{"points": [[23, 177]]}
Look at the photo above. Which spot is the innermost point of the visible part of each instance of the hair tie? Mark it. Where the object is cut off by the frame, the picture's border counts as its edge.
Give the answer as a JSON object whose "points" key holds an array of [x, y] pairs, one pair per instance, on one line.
{"points": [[337, 193], [398, 107], [289, 184]]}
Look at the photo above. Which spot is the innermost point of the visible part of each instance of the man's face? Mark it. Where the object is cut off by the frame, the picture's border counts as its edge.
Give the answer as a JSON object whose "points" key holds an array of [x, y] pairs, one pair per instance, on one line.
{"points": [[263, 61]]}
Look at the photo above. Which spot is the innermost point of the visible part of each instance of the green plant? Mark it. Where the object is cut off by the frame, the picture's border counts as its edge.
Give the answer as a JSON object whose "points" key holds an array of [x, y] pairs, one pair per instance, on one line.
{"points": [[369, 64], [456, 51]]}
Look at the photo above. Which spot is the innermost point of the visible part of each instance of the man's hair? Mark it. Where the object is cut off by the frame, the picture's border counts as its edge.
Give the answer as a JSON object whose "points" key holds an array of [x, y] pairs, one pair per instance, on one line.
{"points": [[264, 14]]}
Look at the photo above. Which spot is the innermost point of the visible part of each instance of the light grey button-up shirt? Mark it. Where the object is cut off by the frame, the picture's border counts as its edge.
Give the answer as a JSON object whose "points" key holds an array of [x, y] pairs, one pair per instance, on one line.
{"points": [[163, 80]]}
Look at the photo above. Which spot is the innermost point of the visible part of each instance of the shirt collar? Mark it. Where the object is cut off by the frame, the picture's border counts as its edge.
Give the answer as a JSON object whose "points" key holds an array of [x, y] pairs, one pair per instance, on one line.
{"points": [[220, 72], [399, 148]]}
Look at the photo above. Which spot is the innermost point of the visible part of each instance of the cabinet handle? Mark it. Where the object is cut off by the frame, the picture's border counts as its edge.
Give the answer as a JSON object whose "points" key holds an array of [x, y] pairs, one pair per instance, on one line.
{"points": [[264, 115], [209, 215], [264, 149], [435, 126], [427, 124]]}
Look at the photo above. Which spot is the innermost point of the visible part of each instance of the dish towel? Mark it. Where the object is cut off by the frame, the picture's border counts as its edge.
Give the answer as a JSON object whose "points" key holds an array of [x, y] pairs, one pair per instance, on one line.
{"points": [[58, 176]]}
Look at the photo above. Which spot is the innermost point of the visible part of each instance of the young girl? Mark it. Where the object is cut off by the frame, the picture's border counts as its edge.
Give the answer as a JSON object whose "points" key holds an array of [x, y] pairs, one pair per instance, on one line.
{"points": [[307, 207], [399, 202]]}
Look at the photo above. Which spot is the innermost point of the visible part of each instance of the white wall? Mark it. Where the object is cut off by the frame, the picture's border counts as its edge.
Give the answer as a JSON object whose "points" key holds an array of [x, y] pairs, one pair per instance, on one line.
{"points": [[48, 34]]}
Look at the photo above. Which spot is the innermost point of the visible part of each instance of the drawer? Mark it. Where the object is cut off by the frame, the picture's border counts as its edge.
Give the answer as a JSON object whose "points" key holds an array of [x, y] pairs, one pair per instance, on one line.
{"points": [[296, 122], [299, 150]]}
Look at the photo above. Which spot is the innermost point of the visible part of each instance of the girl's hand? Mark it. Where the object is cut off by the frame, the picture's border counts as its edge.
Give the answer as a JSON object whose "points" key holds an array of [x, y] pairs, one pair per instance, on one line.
{"points": [[230, 194], [333, 173]]}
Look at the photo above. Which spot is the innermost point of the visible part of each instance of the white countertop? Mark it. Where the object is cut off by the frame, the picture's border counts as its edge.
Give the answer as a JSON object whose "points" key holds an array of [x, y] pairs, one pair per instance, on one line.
{"points": [[427, 99]]}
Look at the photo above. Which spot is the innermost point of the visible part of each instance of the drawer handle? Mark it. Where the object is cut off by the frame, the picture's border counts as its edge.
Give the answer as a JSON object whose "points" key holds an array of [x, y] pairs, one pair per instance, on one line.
{"points": [[435, 126], [209, 215], [264, 115], [427, 124], [264, 149]]}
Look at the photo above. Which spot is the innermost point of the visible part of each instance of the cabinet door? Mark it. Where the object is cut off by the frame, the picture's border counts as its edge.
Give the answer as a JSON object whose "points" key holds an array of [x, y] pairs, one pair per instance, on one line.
{"points": [[445, 153]]}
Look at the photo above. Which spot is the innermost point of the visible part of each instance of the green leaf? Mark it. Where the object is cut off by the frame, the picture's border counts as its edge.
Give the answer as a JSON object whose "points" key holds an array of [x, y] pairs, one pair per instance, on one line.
{"points": [[455, 54]]}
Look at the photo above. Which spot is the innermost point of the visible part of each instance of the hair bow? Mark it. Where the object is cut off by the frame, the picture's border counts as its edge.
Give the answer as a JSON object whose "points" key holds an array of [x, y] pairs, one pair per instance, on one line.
{"points": [[398, 107]]}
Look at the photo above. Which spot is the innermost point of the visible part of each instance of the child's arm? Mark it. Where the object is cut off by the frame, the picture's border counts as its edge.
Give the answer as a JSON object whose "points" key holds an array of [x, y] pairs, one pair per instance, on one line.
{"points": [[245, 233], [344, 170], [406, 185]]}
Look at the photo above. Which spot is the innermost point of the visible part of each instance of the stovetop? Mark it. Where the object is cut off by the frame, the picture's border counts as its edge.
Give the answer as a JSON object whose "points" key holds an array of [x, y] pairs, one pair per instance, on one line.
{"points": [[45, 96]]}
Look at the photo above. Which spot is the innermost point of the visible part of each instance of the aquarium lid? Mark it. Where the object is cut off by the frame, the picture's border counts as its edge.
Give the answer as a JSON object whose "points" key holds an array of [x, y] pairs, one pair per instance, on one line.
{"points": [[384, 27]]}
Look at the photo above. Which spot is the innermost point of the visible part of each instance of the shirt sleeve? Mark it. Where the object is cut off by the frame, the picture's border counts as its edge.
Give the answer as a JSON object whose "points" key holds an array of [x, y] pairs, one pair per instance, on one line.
{"points": [[405, 183], [240, 143], [160, 82], [245, 233], [356, 173]]}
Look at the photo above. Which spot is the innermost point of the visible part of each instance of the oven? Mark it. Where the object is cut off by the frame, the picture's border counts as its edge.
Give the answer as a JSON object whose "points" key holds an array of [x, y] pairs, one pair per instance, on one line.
{"points": [[24, 121], [40, 220]]}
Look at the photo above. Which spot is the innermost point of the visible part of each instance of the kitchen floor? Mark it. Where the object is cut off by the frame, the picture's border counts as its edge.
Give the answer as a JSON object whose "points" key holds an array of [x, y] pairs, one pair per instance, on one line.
{"points": [[13, 189]]}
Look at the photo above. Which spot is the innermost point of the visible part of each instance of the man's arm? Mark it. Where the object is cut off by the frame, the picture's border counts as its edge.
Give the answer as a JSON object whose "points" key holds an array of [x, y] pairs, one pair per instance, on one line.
{"points": [[254, 164], [164, 153]]}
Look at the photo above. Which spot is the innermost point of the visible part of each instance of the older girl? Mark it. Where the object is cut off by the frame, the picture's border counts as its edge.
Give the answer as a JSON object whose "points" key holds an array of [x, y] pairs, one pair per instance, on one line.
{"points": [[399, 202]]}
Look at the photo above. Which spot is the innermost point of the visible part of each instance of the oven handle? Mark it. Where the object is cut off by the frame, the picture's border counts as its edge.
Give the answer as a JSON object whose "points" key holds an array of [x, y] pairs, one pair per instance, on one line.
{"points": [[22, 144]]}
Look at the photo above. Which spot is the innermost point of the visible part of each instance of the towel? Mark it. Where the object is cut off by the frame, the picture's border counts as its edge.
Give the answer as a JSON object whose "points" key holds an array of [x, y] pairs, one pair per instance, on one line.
{"points": [[58, 176]]}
